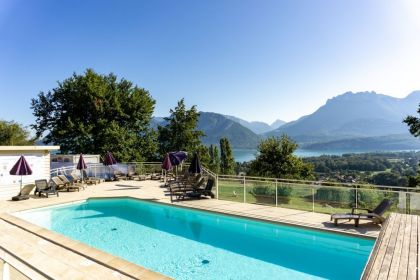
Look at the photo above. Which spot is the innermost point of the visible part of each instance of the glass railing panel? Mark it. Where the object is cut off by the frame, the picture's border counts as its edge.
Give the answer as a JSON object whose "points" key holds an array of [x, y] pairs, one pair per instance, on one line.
{"points": [[294, 196], [370, 198], [261, 192], [333, 199], [231, 189]]}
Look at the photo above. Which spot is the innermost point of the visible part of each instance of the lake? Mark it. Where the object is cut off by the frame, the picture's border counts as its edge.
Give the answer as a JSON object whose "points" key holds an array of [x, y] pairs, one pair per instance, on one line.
{"points": [[242, 155]]}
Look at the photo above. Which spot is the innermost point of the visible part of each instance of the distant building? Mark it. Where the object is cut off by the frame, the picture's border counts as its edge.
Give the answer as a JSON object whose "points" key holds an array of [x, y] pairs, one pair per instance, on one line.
{"points": [[38, 158], [58, 161]]}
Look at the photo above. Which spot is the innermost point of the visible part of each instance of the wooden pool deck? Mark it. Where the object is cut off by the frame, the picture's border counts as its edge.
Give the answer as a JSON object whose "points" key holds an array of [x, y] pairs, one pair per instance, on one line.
{"points": [[395, 255], [38, 253]]}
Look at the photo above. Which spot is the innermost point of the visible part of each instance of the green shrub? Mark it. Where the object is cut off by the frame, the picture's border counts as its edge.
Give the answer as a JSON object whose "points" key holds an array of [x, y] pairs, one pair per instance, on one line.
{"points": [[370, 198], [263, 194], [340, 196], [284, 193], [262, 190]]}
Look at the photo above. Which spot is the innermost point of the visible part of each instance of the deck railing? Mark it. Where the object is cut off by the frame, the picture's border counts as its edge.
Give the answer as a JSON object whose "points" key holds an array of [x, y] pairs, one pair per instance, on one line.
{"points": [[314, 196]]}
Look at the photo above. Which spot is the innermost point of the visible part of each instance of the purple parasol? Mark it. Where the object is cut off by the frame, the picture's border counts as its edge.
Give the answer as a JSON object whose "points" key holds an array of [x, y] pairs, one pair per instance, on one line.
{"points": [[195, 166], [167, 165], [21, 168], [81, 164], [177, 157], [109, 159]]}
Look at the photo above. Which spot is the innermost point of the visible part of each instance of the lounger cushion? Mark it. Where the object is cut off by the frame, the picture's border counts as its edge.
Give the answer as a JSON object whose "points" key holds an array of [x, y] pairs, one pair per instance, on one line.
{"points": [[344, 216]]}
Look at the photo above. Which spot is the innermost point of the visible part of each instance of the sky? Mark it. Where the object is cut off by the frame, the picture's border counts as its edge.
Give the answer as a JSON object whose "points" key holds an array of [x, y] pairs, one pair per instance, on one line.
{"points": [[259, 60]]}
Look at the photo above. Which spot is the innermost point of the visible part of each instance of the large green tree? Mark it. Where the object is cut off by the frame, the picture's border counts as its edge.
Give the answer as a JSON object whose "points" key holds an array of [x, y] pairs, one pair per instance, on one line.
{"points": [[93, 113], [414, 126], [14, 134], [214, 163], [414, 123], [227, 161], [180, 132], [276, 159]]}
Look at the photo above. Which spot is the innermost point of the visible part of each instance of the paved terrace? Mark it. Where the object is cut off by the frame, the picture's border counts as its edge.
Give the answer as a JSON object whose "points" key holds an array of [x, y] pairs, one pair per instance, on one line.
{"points": [[42, 254]]}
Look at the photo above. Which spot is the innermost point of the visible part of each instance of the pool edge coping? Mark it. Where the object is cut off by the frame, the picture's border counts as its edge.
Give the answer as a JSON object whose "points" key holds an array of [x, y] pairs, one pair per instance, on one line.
{"points": [[101, 257], [134, 270]]}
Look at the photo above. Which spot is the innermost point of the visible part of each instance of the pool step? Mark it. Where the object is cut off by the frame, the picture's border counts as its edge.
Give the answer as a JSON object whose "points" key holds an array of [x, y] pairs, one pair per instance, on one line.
{"points": [[57, 257]]}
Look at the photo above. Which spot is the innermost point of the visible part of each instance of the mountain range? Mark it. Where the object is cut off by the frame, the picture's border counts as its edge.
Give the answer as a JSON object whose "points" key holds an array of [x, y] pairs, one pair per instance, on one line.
{"points": [[257, 127], [362, 121]]}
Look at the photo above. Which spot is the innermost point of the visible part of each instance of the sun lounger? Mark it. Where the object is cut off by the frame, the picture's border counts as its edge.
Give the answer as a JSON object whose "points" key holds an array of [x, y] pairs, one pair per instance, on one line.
{"points": [[42, 187], [75, 178], [132, 175], [206, 191], [375, 215], [90, 180], [70, 185], [24, 193], [59, 185], [195, 190], [118, 175]]}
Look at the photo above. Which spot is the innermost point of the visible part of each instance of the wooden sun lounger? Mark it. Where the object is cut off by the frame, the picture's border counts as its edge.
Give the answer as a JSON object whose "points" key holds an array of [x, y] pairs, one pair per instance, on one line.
{"points": [[375, 215], [24, 193], [43, 187], [70, 185]]}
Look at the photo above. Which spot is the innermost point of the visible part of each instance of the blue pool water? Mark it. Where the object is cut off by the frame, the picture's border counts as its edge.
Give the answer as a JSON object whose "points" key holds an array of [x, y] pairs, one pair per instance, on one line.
{"points": [[191, 244]]}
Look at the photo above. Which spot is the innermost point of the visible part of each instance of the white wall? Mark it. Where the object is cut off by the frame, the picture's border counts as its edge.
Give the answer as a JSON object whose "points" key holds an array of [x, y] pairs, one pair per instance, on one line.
{"points": [[39, 162]]}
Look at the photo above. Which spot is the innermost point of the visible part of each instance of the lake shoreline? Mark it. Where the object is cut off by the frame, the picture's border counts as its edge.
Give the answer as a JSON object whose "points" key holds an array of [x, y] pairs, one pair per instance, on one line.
{"points": [[244, 155]]}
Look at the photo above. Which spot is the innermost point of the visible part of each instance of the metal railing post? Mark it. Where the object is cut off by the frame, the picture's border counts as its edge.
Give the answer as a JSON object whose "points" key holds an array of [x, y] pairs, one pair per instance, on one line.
{"points": [[276, 195], [217, 186], [357, 197], [244, 190], [407, 203], [313, 198]]}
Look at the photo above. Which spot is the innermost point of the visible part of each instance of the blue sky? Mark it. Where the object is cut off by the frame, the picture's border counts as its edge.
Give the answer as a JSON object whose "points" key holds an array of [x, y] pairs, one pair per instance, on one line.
{"points": [[258, 60]]}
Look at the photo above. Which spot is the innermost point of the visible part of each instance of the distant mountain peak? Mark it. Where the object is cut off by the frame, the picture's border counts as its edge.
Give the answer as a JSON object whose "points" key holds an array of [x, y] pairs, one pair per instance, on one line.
{"points": [[349, 115], [415, 96], [277, 123], [255, 126]]}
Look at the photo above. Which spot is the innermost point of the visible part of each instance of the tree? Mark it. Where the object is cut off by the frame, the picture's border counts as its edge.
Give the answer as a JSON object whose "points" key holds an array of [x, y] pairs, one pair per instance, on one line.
{"points": [[14, 134], [388, 179], [414, 124], [214, 164], [93, 113], [180, 133], [227, 162], [204, 154], [276, 159]]}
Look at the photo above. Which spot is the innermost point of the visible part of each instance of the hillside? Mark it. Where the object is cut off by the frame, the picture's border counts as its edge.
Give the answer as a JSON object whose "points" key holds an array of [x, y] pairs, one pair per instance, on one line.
{"points": [[256, 127], [353, 115], [216, 126], [378, 143]]}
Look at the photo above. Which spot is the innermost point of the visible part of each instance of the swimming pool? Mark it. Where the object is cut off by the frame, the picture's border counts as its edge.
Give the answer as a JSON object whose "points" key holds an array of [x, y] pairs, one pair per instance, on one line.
{"points": [[191, 244]]}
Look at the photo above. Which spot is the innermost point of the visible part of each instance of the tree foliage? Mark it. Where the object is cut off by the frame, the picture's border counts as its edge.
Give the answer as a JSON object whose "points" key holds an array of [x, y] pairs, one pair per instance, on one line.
{"points": [[414, 124], [180, 132], [214, 164], [276, 159], [93, 113], [227, 162], [14, 134]]}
